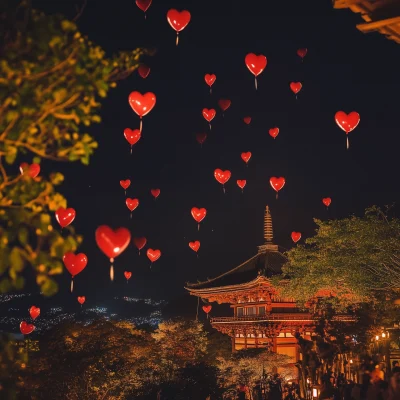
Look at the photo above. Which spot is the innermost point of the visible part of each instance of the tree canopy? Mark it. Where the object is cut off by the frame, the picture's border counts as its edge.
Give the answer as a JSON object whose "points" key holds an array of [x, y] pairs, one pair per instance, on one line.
{"points": [[51, 80], [349, 261]]}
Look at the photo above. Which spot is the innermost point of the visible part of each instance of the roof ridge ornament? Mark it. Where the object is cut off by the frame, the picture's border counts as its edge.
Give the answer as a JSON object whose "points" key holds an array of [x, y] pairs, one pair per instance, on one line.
{"points": [[268, 230]]}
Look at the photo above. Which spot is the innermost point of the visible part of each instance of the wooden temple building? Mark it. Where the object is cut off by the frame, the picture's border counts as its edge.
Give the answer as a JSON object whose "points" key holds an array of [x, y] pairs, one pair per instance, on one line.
{"points": [[381, 16], [261, 318]]}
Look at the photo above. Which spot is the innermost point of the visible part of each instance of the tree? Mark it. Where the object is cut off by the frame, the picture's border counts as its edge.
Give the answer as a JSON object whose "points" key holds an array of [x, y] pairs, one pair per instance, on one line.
{"points": [[51, 78], [102, 360], [348, 261], [180, 342]]}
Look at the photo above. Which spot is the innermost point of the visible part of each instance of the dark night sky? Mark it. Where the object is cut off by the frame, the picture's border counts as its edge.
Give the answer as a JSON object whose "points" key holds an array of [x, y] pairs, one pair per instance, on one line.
{"points": [[343, 70]]}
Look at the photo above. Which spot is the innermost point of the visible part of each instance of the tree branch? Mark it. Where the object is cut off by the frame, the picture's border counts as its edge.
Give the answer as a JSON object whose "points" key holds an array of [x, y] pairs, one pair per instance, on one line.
{"points": [[80, 11], [34, 150]]}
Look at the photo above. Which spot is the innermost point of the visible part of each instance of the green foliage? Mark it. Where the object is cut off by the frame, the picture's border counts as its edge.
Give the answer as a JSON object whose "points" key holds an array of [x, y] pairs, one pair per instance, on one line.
{"points": [[347, 262], [51, 78]]}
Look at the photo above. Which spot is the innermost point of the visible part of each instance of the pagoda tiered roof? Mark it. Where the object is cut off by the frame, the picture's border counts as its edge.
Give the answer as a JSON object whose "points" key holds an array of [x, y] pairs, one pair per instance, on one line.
{"points": [[265, 264]]}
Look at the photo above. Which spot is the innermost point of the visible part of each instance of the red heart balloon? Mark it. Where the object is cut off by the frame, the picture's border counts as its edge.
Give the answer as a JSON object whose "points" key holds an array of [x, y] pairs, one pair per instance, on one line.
{"points": [[75, 263], [277, 183], [347, 122], [222, 176], [132, 135], [246, 156], [131, 203], [143, 4], [274, 132], [209, 114], [127, 275], [247, 120], [201, 137], [194, 245], [81, 299], [241, 183], [125, 184], [224, 104], [155, 192], [327, 201], [178, 19], [210, 79], [153, 255], [207, 309], [198, 214], [302, 52], [139, 242], [296, 236], [32, 170], [112, 243], [255, 64], [65, 216], [25, 328], [34, 312], [142, 104], [296, 87], [143, 71]]}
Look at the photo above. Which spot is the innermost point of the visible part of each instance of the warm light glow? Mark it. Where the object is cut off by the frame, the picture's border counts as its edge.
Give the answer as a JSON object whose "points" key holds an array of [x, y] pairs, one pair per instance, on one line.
{"points": [[351, 361], [376, 337], [383, 334], [315, 393]]}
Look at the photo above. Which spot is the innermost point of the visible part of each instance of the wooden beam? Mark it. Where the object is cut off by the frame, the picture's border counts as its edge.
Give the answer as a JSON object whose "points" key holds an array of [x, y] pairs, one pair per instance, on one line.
{"points": [[373, 26], [338, 4]]}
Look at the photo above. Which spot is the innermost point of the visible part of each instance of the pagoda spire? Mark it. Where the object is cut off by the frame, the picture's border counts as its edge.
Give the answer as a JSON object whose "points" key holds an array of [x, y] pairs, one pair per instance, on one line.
{"points": [[268, 231]]}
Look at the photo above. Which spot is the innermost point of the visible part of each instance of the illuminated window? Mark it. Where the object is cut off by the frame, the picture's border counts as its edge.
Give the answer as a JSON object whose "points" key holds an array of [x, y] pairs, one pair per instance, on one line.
{"points": [[251, 310], [261, 310], [240, 311]]}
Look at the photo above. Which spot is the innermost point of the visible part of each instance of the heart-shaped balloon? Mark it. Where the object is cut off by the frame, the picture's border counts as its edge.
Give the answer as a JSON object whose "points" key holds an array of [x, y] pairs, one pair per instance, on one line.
{"points": [[198, 214], [143, 4], [209, 114], [81, 299], [222, 176], [347, 122], [142, 104], [207, 308], [26, 328], [127, 275], [132, 135], [75, 263], [125, 183], [34, 312], [274, 132], [210, 79], [296, 236], [224, 104], [153, 255], [255, 64], [65, 216], [143, 71], [296, 87], [194, 245], [246, 156], [302, 52], [131, 203], [139, 242], [247, 120], [277, 183], [112, 243], [178, 19], [155, 192], [32, 170], [241, 183], [201, 137], [327, 201]]}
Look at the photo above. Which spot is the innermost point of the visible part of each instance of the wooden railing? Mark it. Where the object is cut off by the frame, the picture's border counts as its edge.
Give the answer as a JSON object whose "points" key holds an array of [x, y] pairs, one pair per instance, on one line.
{"points": [[278, 317]]}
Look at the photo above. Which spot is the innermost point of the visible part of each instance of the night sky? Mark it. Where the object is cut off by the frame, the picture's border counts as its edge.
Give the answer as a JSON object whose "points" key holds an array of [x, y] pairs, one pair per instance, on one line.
{"points": [[343, 70]]}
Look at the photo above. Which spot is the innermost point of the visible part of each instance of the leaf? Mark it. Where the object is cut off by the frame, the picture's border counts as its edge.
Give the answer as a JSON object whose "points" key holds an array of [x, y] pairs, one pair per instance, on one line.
{"points": [[11, 155], [49, 287], [17, 262], [23, 235], [36, 160], [5, 285], [19, 283]]}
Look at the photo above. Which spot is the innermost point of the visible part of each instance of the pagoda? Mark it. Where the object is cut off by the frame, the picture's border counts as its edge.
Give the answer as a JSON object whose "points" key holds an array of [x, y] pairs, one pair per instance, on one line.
{"points": [[261, 317]]}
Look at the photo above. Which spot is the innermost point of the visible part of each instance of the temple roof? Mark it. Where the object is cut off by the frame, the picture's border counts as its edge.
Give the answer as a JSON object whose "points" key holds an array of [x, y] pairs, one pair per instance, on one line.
{"points": [[267, 262]]}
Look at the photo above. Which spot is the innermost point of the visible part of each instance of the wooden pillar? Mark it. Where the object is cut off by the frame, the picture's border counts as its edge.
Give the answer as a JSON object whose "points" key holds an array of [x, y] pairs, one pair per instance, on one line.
{"points": [[233, 341], [245, 339], [256, 339]]}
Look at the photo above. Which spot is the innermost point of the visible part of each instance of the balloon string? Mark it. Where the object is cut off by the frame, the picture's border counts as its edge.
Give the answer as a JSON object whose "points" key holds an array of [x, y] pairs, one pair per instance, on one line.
{"points": [[276, 195], [348, 144], [141, 125], [151, 265], [139, 252], [296, 96], [72, 284], [197, 254], [177, 38], [145, 16], [242, 191], [125, 192], [198, 226], [131, 215], [112, 273], [223, 188], [131, 149], [209, 124], [210, 90], [255, 82]]}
